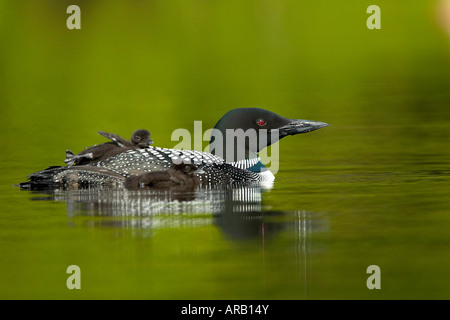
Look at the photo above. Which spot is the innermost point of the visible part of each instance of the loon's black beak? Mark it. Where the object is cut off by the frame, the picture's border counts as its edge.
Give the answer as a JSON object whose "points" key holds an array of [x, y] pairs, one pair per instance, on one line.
{"points": [[300, 126]]}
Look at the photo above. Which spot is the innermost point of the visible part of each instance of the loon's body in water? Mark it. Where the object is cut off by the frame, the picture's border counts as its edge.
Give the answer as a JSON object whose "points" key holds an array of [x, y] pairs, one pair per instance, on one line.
{"points": [[232, 158], [140, 139]]}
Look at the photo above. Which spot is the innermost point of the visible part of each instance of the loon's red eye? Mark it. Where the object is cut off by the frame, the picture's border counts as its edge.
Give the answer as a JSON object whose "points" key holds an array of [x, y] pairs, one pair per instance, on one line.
{"points": [[261, 122]]}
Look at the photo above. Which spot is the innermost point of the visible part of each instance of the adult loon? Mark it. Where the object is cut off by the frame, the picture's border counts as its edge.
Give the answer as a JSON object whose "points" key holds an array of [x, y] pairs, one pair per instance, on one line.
{"points": [[139, 139], [233, 157]]}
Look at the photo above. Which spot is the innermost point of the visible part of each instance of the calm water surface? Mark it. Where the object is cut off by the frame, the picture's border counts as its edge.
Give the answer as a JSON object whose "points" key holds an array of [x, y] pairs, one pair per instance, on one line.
{"points": [[312, 236]]}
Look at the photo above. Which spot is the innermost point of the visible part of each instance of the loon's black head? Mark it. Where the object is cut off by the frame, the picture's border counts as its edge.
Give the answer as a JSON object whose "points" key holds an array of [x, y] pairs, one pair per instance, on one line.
{"points": [[141, 138], [242, 133]]}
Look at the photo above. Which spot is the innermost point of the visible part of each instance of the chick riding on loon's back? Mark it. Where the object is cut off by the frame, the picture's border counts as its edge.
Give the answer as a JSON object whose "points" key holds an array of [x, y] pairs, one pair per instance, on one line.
{"points": [[232, 158], [139, 139]]}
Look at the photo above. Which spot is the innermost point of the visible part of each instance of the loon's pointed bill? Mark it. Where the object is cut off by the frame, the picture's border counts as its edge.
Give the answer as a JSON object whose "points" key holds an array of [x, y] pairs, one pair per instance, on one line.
{"points": [[300, 126]]}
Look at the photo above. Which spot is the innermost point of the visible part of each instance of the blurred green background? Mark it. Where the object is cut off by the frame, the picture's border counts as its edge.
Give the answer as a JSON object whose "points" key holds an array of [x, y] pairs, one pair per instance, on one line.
{"points": [[380, 173], [162, 64]]}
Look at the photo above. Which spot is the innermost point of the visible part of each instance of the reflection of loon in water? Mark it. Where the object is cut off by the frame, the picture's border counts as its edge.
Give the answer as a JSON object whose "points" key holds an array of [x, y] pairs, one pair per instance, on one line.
{"points": [[238, 212]]}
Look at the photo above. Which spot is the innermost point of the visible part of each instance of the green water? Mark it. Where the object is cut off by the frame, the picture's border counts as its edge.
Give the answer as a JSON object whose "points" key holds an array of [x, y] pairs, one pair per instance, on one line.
{"points": [[371, 189]]}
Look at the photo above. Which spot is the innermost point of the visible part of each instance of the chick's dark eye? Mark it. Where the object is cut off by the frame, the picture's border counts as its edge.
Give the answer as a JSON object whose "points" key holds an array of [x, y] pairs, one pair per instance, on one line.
{"points": [[261, 122], [138, 138]]}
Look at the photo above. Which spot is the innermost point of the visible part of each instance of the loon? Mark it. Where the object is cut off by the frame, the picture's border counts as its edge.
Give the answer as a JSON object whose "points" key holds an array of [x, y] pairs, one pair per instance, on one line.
{"points": [[232, 158], [177, 175], [139, 139]]}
